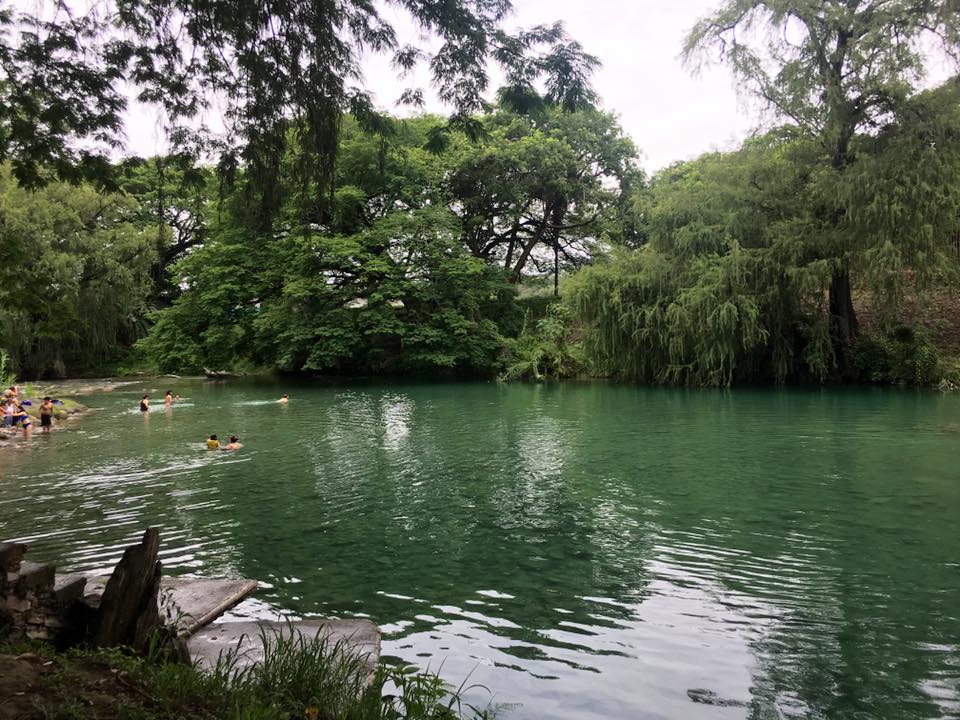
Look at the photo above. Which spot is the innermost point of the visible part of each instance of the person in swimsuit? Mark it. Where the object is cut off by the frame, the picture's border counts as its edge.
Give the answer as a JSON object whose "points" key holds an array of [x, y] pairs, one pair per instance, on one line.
{"points": [[22, 418], [178, 398], [213, 443], [46, 415], [145, 404], [284, 399], [168, 398], [8, 410], [234, 443]]}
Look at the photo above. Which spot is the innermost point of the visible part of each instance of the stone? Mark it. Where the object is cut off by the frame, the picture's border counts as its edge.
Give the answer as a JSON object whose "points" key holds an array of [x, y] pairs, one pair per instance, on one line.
{"points": [[68, 588], [187, 603], [361, 637], [35, 577], [18, 604], [128, 611], [191, 603], [10, 556]]}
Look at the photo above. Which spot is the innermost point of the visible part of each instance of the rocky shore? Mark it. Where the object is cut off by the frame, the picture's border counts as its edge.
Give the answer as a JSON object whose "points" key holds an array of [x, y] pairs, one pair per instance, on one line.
{"points": [[66, 409]]}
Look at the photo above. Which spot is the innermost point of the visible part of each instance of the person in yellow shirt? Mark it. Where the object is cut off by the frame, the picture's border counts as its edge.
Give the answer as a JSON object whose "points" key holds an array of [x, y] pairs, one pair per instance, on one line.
{"points": [[213, 443]]}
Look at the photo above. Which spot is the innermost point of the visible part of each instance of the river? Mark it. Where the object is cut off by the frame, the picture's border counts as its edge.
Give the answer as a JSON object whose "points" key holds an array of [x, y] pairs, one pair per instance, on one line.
{"points": [[582, 550]]}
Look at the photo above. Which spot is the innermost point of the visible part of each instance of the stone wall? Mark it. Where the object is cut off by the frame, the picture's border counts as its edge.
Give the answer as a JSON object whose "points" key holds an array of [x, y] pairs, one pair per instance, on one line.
{"points": [[35, 603]]}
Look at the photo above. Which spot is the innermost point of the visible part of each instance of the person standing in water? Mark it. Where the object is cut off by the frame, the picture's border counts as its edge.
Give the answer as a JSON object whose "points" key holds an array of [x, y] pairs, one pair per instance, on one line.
{"points": [[213, 443], [168, 398], [234, 443], [145, 404], [22, 417], [46, 415]]}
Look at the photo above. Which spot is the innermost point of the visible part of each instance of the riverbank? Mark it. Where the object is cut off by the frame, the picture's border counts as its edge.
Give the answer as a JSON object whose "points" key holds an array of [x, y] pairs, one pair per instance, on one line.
{"points": [[307, 680], [66, 409], [65, 391]]}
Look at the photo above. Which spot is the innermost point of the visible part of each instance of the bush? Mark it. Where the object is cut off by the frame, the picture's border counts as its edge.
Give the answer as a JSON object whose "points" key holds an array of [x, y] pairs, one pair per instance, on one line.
{"points": [[545, 351], [903, 356]]}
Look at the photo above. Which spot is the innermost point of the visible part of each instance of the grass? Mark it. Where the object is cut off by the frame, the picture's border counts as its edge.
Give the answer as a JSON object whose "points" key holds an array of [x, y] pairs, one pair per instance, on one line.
{"points": [[299, 677]]}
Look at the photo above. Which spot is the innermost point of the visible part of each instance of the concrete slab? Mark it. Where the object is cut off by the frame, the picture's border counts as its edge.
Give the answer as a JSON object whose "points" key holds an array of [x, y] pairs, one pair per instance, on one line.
{"points": [[361, 636], [191, 603]]}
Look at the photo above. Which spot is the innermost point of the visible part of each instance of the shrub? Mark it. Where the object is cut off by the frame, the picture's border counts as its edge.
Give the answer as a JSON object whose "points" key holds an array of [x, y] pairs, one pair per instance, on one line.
{"points": [[904, 356], [545, 351]]}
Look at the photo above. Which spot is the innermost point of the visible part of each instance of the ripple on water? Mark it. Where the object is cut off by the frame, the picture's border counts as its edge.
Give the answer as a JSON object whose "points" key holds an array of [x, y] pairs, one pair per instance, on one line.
{"points": [[585, 551]]}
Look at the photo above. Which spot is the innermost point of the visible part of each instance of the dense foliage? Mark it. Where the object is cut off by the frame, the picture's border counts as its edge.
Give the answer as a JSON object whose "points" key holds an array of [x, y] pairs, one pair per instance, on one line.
{"points": [[329, 238], [74, 277], [838, 71], [742, 247], [414, 271]]}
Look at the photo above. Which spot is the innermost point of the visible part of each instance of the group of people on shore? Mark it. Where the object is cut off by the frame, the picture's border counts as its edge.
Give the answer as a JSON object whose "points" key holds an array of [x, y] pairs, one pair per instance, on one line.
{"points": [[16, 417], [213, 442]]}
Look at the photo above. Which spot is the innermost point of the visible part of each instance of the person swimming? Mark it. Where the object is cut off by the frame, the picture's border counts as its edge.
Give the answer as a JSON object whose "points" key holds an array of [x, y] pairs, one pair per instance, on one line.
{"points": [[168, 398], [145, 403], [284, 399], [178, 398], [234, 443], [213, 443]]}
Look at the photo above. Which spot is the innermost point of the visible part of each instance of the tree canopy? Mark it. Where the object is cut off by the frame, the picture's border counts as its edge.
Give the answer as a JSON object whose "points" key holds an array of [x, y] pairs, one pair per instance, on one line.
{"points": [[284, 71], [834, 69]]}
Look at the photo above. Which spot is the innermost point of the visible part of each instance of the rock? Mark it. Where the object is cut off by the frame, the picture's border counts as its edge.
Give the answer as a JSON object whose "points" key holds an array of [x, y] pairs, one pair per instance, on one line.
{"points": [[36, 577], [709, 697], [67, 588], [10, 556], [128, 612]]}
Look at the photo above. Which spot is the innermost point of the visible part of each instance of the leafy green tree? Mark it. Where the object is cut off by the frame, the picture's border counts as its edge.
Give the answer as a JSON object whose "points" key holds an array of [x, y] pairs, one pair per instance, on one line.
{"points": [[175, 202], [541, 188], [274, 67], [385, 286], [74, 277], [836, 69], [731, 283]]}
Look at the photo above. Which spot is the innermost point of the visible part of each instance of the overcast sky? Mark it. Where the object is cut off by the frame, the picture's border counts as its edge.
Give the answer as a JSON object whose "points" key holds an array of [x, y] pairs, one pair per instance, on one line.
{"points": [[670, 114]]}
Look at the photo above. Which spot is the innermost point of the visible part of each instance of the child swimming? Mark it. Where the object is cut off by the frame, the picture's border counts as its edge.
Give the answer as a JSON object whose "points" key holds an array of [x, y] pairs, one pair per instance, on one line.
{"points": [[213, 443]]}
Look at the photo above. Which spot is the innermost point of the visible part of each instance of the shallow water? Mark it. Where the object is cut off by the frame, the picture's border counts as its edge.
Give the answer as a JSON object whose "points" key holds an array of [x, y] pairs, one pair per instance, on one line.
{"points": [[585, 551]]}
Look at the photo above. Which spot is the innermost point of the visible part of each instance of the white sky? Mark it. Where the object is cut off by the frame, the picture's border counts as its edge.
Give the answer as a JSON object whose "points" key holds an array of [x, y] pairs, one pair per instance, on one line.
{"points": [[670, 114]]}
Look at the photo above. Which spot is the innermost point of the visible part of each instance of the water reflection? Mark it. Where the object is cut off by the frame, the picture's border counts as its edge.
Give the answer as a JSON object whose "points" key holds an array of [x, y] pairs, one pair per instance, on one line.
{"points": [[586, 551]]}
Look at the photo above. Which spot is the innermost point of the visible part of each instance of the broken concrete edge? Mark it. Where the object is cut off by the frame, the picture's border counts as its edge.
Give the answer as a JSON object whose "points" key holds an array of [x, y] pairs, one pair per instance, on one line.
{"points": [[359, 637], [190, 603], [232, 592]]}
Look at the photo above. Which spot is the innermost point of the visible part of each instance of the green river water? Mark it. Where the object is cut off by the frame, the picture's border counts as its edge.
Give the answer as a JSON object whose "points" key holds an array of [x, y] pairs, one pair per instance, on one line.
{"points": [[585, 551]]}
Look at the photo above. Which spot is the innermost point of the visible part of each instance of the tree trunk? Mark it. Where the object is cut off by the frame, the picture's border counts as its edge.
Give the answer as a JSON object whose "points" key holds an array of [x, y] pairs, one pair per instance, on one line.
{"points": [[556, 265], [844, 327]]}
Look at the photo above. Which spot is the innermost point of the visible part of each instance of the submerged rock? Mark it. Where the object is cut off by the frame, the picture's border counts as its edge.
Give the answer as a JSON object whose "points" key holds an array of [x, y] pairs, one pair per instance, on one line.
{"points": [[709, 697]]}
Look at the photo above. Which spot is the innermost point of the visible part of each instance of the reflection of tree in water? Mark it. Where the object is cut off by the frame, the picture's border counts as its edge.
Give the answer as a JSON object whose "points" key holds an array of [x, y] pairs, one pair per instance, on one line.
{"points": [[809, 527]]}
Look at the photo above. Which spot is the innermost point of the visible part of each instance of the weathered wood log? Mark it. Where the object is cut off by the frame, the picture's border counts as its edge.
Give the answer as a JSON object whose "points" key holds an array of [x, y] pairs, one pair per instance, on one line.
{"points": [[129, 611]]}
